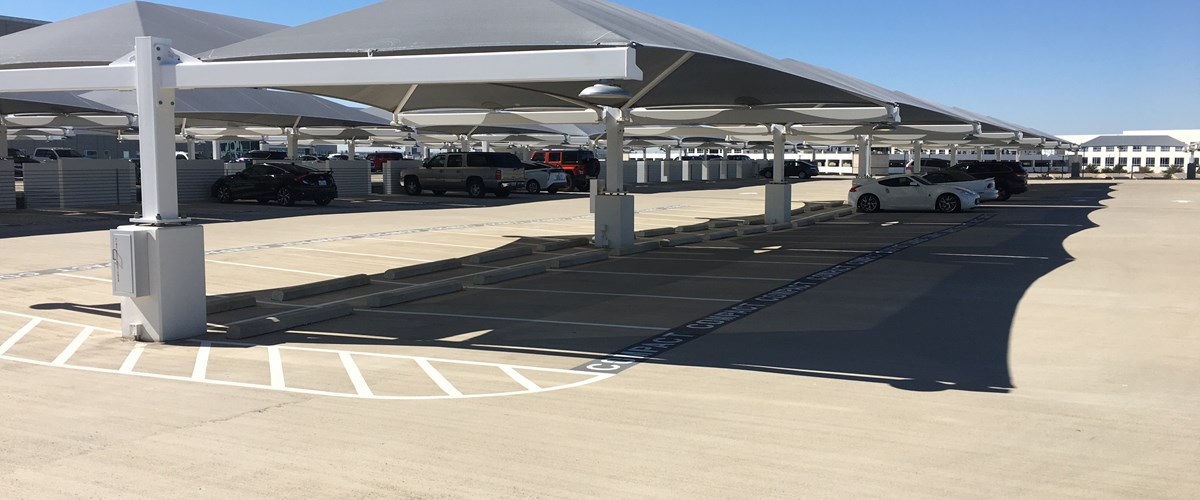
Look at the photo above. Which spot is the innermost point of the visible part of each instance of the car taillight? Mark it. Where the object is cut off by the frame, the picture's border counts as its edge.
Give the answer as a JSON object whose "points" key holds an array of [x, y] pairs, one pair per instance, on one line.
{"points": [[854, 189], [499, 174], [1021, 174], [300, 179]]}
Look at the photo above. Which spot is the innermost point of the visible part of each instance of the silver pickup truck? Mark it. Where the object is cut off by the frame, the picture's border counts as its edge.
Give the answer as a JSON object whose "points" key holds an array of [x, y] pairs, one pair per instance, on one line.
{"points": [[475, 173]]}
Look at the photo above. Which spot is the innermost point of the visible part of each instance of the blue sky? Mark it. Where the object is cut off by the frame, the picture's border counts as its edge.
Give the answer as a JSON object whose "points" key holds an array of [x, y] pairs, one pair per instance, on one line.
{"points": [[1063, 66]]}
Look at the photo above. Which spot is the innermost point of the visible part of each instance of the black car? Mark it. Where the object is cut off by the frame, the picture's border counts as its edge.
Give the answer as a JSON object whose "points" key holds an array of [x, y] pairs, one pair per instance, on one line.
{"points": [[1009, 175], [257, 155], [793, 168], [283, 182]]}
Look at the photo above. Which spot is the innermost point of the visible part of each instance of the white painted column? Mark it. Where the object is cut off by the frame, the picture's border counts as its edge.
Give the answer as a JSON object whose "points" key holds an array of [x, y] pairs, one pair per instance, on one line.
{"points": [[216, 149], [916, 156], [167, 255], [486, 146], [778, 208], [953, 154], [464, 144], [978, 153], [864, 156], [666, 153], [292, 143], [351, 145], [614, 207], [191, 148]]}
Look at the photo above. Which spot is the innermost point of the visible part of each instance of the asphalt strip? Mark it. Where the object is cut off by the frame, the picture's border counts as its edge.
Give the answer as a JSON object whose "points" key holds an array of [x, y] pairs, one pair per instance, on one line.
{"points": [[653, 347]]}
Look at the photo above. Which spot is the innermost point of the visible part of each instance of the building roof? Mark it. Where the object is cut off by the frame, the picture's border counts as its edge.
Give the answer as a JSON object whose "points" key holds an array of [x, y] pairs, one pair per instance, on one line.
{"points": [[1133, 140]]}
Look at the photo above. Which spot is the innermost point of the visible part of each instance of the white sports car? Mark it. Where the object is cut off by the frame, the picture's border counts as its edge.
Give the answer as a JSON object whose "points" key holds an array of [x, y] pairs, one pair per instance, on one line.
{"points": [[910, 192], [539, 176]]}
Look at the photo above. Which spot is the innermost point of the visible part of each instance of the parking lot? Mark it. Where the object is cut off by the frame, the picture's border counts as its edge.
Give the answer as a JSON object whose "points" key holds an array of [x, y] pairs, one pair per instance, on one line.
{"points": [[1040, 347]]}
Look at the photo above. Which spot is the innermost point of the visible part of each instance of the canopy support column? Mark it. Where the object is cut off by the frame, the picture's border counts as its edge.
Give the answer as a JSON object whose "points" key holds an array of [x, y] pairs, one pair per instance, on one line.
{"points": [[158, 263], [292, 143], [486, 146], [916, 157], [216, 149], [614, 207], [350, 146], [3, 138], [191, 148], [953, 155], [779, 191], [864, 156], [978, 153]]}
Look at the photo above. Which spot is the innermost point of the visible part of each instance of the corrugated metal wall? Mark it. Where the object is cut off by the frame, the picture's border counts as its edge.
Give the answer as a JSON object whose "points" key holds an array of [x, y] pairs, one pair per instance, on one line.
{"points": [[196, 178], [75, 183], [8, 186], [353, 177]]}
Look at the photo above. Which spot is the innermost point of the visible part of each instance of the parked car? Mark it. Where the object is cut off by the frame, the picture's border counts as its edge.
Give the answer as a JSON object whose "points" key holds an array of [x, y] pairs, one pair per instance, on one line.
{"points": [[19, 159], [928, 164], [44, 154], [339, 157], [539, 176], [738, 158], [909, 192], [803, 169], [985, 187], [475, 173], [285, 183], [1009, 176], [579, 164], [256, 155], [379, 158], [309, 158]]}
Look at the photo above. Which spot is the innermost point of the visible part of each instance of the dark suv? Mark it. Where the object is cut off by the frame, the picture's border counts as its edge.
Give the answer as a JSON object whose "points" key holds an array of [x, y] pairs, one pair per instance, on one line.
{"points": [[803, 169], [283, 182], [1010, 177]]}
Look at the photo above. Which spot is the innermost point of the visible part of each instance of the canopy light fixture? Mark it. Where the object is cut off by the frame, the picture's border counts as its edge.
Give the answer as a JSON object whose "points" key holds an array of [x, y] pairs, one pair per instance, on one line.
{"points": [[605, 90], [884, 127]]}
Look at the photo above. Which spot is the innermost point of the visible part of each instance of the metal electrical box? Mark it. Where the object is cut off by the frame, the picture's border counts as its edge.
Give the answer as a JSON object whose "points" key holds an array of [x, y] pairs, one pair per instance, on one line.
{"points": [[129, 263]]}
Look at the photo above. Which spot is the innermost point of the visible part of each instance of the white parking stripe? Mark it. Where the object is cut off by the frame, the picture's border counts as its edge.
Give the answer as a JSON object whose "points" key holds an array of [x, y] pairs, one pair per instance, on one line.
{"points": [[276, 362], [526, 383], [500, 318], [356, 377], [431, 243], [72, 347], [359, 254], [131, 360], [200, 369], [16, 337], [992, 256], [560, 292], [438, 378], [272, 268], [77, 276]]}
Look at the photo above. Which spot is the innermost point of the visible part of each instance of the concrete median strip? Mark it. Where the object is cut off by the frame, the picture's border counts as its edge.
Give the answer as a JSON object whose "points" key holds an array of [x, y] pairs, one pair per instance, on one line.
{"points": [[551, 246], [320, 287], [413, 293], [813, 207], [508, 273], [636, 248], [720, 235], [751, 230], [501, 254], [681, 239], [579, 259], [419, 269], [223, 304], [286, 320], [694, 227], [655, 232], [719, 223]]}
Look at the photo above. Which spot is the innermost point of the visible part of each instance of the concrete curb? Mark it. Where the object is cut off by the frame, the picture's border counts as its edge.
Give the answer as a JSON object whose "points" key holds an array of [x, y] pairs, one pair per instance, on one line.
{"points": [[320, 287], [655, 232], [413, 293], [223, 304], [813, 207], [719, 223], [579, 259], [781, 226], [551, 246], [720, 235], [693, 227], [636, 248], [508, 273], [752, 230], [501, 254], [682, 239], [419, 269], [286, 320]]}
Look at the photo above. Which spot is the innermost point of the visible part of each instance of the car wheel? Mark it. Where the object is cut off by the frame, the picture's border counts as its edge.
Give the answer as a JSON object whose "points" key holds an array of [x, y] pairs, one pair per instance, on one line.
{"points": [[766, 173], [552, 190], [224, 194], [475, 188], [412, 185], [532, 187], [868, 203], [1004, 194], [503, 192], [284, 197], [323, 201], [804, 175], [582, 184], [948, 203]]}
